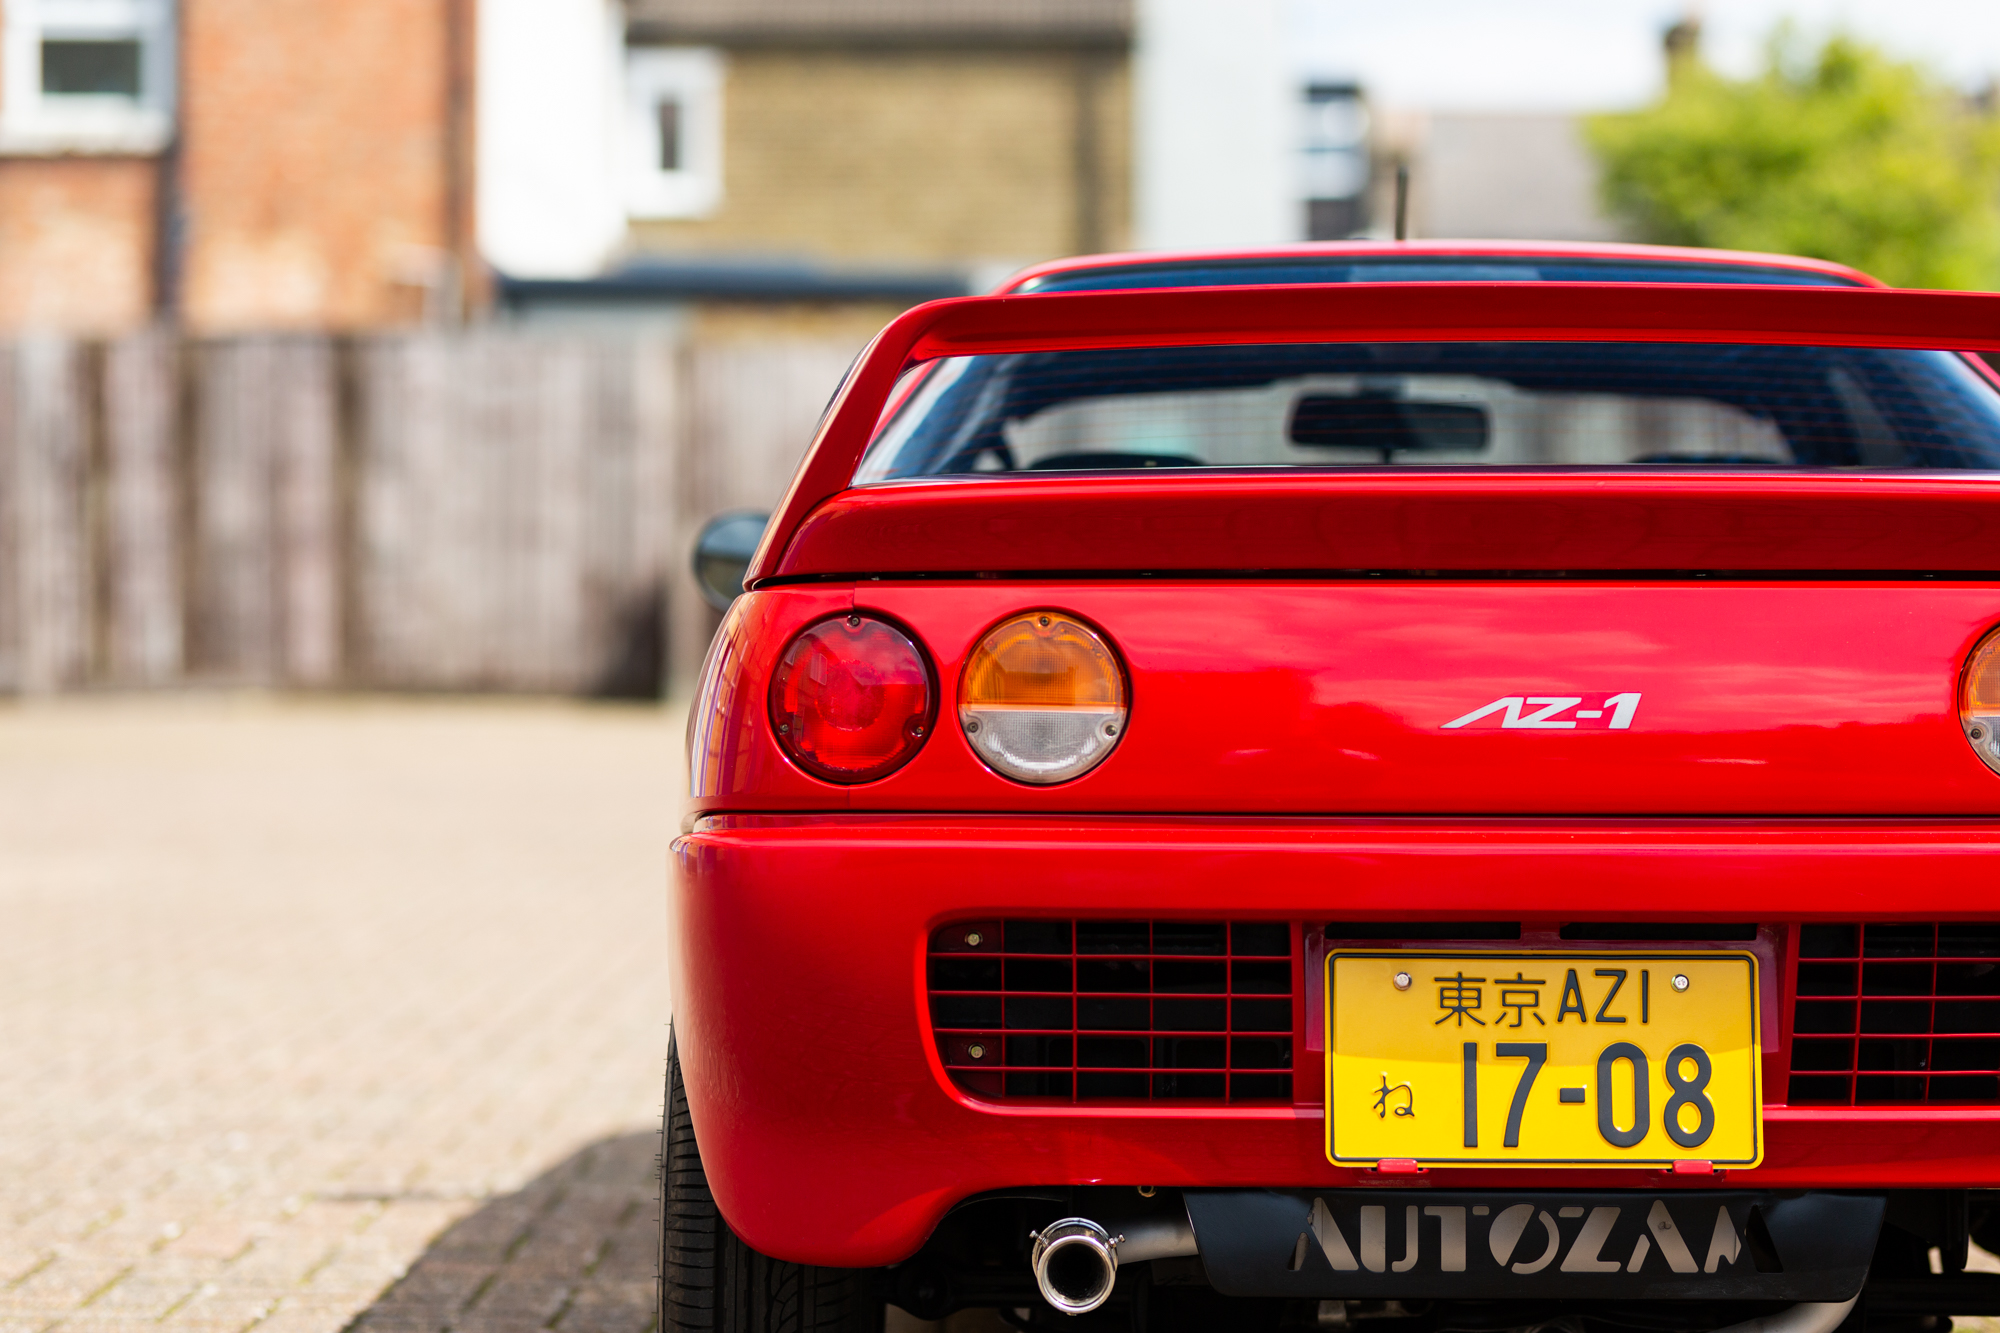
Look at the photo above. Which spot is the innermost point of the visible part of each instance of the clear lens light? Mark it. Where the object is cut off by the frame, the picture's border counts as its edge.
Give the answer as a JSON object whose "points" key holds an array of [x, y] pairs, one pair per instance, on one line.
{"points": [[1979, 703], [1043, 698]]}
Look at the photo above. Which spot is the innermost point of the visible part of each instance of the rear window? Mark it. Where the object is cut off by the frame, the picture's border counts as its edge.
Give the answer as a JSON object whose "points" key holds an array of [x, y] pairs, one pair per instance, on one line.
{"points": [[1332, 405]]}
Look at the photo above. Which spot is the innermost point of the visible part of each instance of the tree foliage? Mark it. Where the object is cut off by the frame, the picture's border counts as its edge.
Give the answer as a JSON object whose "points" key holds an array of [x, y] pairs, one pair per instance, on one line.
{"points": [[1840, 153]]}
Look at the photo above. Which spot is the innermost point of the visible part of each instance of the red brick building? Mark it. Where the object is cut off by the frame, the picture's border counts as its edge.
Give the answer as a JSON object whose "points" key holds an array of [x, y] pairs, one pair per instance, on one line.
{"points": [[235, 164]]}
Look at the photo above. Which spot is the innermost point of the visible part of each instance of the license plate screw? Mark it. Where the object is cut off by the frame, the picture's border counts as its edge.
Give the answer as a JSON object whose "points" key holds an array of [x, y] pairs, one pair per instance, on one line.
{"points": [[976, 1051], [1680, 981], [1402, 980]]}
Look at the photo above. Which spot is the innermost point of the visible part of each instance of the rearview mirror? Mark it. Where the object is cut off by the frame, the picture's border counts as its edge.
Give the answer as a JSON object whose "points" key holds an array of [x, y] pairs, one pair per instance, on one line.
{"points": [[722, 555], [1387, 425]]}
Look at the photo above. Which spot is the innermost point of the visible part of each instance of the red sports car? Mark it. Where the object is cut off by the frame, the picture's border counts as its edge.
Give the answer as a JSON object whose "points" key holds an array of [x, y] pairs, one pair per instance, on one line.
{"points": [[1440, 784]]}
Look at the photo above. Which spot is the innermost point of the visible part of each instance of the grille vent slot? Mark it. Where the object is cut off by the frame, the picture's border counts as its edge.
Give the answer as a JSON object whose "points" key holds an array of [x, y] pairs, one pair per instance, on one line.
{"points": [[1117, 1011], [1897, 1012]]}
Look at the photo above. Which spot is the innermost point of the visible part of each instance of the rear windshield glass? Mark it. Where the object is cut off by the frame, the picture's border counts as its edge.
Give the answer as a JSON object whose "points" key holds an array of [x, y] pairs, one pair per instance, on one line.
{"points": [[1328, 405]]}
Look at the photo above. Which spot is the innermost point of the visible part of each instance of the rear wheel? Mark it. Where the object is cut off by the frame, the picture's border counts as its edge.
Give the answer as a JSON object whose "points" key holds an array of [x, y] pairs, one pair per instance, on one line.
{"points": [[712, 1282]]}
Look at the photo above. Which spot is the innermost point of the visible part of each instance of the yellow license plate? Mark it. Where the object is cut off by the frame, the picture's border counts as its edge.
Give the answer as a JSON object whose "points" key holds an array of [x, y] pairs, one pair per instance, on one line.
{"points": [[1543, 1059]]}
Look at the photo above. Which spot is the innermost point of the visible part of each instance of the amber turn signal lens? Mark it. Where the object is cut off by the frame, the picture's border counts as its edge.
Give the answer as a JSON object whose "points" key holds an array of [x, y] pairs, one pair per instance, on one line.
{"points": [[851, 700], [1979, 700], [1043, 698]]}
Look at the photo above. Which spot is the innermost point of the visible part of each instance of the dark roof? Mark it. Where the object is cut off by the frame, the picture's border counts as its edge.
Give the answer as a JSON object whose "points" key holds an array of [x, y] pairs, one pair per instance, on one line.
{"points": [[654, 281], [883, 22]]}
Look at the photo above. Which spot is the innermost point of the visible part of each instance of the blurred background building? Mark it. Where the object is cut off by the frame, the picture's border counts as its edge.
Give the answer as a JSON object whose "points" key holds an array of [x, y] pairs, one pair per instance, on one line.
{"points": [[223, 166], [232, 164], [407, 343], [248, 165], [767, 152]]}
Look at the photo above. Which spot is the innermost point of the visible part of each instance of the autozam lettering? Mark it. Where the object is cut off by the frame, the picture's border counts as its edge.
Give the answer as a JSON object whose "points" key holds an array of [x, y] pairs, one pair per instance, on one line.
{"points": [[1523, 1239], [1554, 712]]}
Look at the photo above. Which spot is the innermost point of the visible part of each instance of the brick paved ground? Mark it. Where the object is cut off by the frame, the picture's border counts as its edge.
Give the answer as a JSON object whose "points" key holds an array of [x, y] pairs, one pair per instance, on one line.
{"points": [[295, 996], [319, 1016]]}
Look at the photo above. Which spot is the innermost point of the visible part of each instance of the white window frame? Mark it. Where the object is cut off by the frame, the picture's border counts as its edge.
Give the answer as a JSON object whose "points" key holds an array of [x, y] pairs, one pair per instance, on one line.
{"points": [[1323, 156], [691, 76], [33, 123]]}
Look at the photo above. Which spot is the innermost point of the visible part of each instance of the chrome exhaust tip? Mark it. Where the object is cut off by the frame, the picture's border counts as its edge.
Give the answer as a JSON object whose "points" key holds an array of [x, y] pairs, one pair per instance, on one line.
{"points": [[1075, 1263]]}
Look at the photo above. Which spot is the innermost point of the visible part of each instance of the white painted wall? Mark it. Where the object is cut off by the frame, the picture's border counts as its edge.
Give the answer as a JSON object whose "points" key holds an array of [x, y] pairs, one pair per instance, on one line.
{"points": [[550, 96], [1506, 175], [1217, 125]]}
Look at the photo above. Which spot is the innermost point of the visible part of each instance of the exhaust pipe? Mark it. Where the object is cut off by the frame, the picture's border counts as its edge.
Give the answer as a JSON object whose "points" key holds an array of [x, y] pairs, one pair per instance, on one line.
{"points": [[1076, 1260]]}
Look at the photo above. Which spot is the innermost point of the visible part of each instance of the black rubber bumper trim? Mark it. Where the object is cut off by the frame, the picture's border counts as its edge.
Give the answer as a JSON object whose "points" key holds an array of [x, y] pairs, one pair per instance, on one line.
{"points": [[1429, 1244]]}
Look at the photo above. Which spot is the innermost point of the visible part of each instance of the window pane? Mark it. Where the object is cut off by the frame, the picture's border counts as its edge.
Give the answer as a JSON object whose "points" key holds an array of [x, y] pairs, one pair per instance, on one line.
{"points": [[670, 135], [1444, 405], [91, 68]]}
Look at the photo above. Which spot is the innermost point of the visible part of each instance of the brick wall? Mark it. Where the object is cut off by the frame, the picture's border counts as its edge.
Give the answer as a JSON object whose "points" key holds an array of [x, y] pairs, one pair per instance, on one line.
{"points": [[76, 242], [317, 161], [917, 155]]}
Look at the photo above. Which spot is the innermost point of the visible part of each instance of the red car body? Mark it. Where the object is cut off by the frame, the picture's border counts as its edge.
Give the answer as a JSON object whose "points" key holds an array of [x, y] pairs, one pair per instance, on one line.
{"points": [[1294, 643]]}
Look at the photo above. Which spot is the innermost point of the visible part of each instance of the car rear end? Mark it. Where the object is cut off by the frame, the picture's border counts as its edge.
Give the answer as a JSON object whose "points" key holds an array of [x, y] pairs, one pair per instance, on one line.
{"points": [[1461, 803]]}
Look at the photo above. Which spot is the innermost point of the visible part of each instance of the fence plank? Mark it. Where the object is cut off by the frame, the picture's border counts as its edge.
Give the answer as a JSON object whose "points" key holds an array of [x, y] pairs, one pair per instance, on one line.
{"points": [[233, 612], [755, 408], [472, 521], [304, 438], [515, 512], [753, 411], [648, 371], [266, 604], [142, 521], [10, 526], [400, 391], [545, 505], [50, 550]]}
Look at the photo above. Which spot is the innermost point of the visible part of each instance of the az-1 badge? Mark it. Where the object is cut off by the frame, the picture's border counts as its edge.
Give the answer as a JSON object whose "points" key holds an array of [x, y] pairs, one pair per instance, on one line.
{"points": [[1554, 712]]}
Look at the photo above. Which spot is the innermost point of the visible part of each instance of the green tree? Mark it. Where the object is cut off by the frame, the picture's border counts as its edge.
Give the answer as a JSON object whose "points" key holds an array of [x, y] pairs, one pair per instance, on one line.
{"points": [[1840, 153]]}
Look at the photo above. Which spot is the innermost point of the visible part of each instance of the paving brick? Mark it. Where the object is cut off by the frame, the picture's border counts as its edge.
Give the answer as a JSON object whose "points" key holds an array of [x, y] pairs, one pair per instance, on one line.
{"points": [[311, 1002]]}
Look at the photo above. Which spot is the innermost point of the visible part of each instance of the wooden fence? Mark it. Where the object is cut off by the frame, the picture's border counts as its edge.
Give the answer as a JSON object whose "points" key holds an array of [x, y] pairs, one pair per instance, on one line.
{"points": [[493, 510]]}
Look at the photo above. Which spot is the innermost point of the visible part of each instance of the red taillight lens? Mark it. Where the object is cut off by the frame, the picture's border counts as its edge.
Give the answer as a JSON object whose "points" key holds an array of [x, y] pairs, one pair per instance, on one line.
{"points": [[852, 700]]}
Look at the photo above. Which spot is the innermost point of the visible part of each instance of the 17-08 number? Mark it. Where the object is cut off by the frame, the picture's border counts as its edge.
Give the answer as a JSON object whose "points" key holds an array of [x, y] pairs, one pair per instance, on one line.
{"points": [[1688, 1092]]}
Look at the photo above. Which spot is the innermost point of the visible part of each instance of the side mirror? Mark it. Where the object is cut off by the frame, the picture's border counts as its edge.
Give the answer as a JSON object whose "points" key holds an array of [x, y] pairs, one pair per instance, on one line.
{"points": [[722, 555]]}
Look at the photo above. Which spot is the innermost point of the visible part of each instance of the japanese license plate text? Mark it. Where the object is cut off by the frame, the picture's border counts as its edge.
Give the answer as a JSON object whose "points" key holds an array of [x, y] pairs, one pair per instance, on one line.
{"points": [[1543, 1058]]}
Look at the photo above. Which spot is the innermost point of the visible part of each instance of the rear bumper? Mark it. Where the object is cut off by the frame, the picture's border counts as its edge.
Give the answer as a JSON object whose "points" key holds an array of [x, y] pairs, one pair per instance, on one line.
{"points": [[832, 1135]]}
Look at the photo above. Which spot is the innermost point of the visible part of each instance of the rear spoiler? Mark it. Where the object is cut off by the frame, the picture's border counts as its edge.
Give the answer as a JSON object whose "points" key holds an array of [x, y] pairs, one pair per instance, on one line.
{"points": [[1357, 312]]}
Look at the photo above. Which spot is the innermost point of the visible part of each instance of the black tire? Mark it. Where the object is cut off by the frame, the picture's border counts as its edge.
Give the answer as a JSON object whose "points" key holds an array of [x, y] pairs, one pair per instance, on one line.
{"points": [[711, 1282]]}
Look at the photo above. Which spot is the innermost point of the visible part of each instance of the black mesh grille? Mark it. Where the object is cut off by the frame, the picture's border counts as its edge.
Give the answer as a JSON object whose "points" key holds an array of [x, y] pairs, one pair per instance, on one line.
{"points": [[1133, 1011], [1897, 1011]]}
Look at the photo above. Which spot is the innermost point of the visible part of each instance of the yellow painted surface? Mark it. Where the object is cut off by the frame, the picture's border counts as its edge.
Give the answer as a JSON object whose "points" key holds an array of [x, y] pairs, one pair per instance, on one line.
{"points": [[1396, 1057]]}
